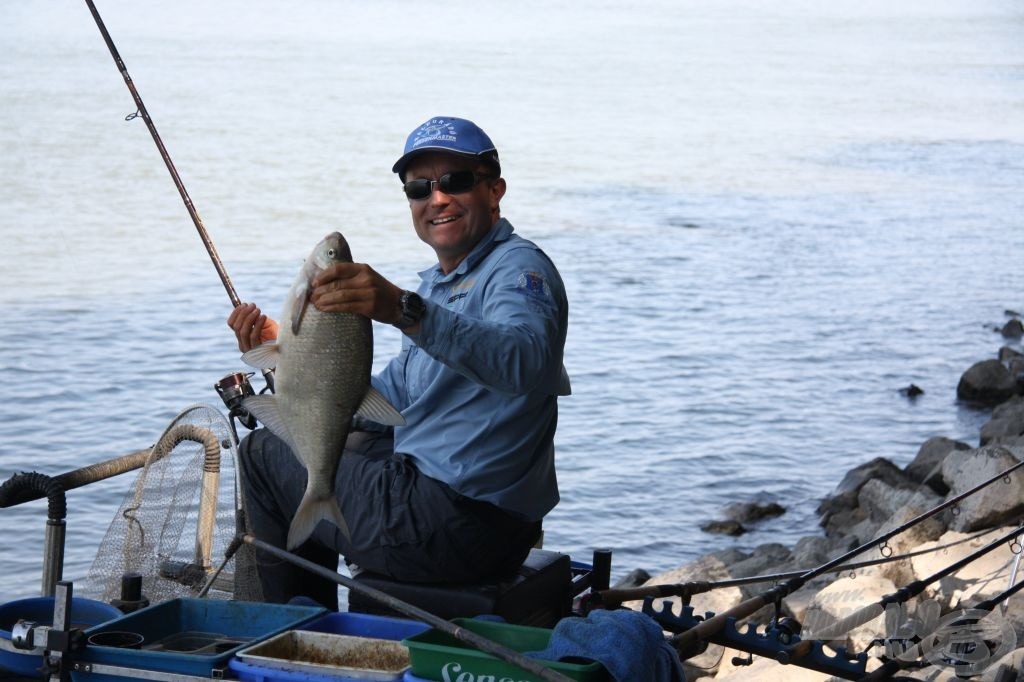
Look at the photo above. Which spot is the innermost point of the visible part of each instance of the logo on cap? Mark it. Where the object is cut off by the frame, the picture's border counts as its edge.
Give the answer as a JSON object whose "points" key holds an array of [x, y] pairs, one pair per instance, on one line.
{"points": [[435, 130]]}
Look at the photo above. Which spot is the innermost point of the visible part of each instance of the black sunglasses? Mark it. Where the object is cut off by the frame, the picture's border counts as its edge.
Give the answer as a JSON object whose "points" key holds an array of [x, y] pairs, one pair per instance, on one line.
{"points": [[455, 182]]}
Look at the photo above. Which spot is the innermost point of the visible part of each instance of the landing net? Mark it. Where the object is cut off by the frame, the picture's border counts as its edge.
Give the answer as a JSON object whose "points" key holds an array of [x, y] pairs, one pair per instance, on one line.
{"points": [[178, 518]]}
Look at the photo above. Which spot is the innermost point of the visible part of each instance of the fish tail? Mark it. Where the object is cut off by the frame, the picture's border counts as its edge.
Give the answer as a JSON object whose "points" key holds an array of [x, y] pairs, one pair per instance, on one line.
{"points": [[311, 511]]}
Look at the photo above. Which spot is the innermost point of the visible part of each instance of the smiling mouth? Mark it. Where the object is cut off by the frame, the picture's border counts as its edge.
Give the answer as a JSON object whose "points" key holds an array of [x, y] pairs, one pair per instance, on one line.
{"points": [[441, 221]]}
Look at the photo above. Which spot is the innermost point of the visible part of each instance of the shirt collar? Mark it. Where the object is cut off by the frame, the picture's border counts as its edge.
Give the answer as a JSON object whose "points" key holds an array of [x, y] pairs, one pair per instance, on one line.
{"points": [[499, 232]]}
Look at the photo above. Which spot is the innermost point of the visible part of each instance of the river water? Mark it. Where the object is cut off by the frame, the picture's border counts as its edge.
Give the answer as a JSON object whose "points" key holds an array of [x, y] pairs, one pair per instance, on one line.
{"points": [[770, 217]]}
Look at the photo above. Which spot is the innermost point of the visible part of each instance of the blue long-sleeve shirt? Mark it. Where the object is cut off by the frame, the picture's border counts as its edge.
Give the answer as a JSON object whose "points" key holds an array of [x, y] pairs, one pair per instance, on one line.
{"points": [[479, 383]]}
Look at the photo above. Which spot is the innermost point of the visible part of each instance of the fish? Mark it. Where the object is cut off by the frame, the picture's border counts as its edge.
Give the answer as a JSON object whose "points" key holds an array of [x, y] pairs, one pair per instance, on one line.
{"points": [[321, 365]]}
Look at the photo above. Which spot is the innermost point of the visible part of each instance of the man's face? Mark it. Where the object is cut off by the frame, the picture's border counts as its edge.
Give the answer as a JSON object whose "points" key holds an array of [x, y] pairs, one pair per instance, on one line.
{"points": [[452, 224]]}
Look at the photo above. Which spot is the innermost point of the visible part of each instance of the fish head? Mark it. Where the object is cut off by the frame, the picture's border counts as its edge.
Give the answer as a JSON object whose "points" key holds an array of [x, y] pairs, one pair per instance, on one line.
{"points": [[332, 249]]}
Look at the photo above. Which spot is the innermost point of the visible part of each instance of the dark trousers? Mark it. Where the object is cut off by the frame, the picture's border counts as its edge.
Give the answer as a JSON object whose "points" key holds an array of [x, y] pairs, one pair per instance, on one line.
{"points": [[404, 525]]}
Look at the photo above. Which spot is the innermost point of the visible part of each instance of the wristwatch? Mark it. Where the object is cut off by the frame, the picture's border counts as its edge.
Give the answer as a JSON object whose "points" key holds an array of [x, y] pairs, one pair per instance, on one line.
{"points": [[412, 310]]}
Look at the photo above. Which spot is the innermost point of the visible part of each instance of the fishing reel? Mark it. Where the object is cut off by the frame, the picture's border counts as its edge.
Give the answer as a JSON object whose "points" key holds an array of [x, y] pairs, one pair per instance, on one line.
{"points": [[233, 389]]}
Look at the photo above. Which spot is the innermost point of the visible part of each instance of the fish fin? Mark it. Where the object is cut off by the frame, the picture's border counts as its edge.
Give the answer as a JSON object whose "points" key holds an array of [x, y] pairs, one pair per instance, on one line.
{"points": [[301, 293], [264, 408], [312, 511], [376, 408], [263, 356]]}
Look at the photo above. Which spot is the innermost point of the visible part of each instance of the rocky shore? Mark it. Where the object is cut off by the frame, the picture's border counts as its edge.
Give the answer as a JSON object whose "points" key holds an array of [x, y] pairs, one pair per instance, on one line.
{"points": [[878, 497]]}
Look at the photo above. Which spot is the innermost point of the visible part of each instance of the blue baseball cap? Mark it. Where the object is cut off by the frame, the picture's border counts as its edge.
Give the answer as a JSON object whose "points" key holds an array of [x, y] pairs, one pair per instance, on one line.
{"points": [[448, 134]]}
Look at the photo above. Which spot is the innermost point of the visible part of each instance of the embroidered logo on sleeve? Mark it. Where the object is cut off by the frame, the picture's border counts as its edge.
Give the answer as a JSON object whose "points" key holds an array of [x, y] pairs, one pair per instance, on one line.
{"points": [[533, 285]]}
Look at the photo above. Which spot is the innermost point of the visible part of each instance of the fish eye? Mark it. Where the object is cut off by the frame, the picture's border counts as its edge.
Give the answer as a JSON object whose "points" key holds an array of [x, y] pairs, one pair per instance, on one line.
{"points": [[330, 253]]}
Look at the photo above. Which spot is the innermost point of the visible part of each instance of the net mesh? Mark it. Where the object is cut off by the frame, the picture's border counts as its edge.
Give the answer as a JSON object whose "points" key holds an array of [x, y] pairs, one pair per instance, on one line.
{"points": [[178, 518]]}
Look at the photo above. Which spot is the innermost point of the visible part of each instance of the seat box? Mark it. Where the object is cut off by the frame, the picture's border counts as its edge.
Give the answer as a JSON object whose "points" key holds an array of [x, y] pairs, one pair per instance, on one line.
{"points": [[538, 594]]}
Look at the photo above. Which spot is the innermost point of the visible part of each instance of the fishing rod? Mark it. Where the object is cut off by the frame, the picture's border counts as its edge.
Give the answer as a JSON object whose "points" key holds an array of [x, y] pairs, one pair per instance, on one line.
{"points": [[614, 597], [688, 641], [189, 206], [506, 654], [144, 113]]}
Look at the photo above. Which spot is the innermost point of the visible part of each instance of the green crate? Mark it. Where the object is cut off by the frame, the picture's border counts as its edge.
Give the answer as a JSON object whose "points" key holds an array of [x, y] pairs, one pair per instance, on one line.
{"points": [[436, 655]]}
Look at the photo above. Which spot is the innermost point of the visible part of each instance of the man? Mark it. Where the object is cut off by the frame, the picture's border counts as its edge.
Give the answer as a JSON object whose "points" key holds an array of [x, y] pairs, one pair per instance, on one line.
{"points": [[458, 493]]}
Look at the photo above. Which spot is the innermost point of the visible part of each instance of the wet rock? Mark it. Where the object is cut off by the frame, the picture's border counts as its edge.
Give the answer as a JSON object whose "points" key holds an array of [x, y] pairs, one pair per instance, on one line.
{"points": [[912, 391], [747, 512], [987, 383], [634, 578], [1013, 329], [993, 505], [733, 528], [926, 466], [1006, 354]]}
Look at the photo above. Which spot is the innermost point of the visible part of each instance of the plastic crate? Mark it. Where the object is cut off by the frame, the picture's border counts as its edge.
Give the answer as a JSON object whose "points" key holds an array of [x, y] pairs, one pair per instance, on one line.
{"points": [[188, 636], [436, 655]]}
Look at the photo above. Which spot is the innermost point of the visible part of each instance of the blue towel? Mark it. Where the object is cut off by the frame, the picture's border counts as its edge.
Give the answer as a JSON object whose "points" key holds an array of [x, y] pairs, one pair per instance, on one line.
{"points": [[629, 644]]}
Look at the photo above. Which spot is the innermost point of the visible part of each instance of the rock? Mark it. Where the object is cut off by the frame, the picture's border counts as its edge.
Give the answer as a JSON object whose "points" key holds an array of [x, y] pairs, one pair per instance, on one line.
{"points": [[733, 528], [901, 571], [1005, 669], [634, 578], [926, 466], [912, 391], [883, 501], [987, 383], [844, 497], [1007, 427], [1006, 354], [1013, 329], [766, 559], [746, 512], [993, 505], [847, 598], [981, 579], [810, 552]]}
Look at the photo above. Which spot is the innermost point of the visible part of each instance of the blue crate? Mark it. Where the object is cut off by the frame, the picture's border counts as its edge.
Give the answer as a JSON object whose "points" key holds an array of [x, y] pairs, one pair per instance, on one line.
{"points": [[189, 636]]}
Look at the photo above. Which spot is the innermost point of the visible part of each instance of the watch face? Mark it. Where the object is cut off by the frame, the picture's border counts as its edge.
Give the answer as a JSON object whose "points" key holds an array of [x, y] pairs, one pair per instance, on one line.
{"points": [[412, 309]]}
